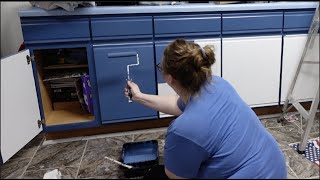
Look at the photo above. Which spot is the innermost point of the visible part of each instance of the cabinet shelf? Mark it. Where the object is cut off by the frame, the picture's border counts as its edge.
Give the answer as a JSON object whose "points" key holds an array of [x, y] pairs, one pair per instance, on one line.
{"points": [[66, 66], [67, 117]]}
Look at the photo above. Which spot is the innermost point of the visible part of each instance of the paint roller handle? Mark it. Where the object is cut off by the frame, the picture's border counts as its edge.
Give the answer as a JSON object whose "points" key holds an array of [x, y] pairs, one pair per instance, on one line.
{"points": [[129, 92], [130, 95]]}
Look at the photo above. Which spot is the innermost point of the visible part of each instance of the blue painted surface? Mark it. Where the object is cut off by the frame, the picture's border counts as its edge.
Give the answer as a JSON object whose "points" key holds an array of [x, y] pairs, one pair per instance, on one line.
{"points": [[120, 26], [46, 30], [92, 73], [251, 21], [187, 35], [191, 8], [295, 21], [72, 126], [140, 118], [186, 24], [160, 47], [123, 38], [111, 79], [252, 33], [140, 152]]}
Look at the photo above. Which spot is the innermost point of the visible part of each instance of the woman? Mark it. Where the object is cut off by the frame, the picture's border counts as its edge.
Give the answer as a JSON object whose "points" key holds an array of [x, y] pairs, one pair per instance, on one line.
{"points": [[217, 135]]}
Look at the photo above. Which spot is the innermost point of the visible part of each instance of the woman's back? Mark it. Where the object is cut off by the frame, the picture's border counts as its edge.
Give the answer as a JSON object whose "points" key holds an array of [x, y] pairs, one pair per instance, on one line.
{"points": [[219, 136]]}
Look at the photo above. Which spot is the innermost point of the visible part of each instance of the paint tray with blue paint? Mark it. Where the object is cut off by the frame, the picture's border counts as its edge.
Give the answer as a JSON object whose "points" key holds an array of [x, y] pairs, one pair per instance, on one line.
{"points": [[141, 155]]}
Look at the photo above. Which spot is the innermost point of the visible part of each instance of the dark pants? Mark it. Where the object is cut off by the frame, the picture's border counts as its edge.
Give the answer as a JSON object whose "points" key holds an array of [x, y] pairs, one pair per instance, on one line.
{"points": [[156, 172]]}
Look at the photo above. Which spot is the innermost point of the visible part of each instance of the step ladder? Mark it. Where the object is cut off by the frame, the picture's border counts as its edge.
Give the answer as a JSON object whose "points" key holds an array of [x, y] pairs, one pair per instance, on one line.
{"points": [[308, 116]]}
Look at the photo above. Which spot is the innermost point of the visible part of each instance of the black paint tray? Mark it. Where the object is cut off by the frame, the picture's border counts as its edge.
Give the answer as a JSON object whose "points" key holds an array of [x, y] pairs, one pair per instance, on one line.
{"points": [[141, 155]]}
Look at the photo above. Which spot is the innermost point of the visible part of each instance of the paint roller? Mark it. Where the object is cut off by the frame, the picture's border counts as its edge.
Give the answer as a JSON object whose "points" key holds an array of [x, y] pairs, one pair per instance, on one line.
{"points": [[129, 78], [126, 54]]}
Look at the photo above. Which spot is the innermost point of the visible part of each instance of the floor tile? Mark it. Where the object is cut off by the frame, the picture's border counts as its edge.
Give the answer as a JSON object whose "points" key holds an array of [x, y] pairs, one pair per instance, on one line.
{"points": [[114, 175], [66, 173], [273, 122], [314, 135], [57, 155], [29, 149], [13, 169], [95, 165], [315, 127], [149, 136], [290, 173], [65, 140], [104, 143], [161, 143], [161, 160], [301, 166], [285, 135], [316, 177]]}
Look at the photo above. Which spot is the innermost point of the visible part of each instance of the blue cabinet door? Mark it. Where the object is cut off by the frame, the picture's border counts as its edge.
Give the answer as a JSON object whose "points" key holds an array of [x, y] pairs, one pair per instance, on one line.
{"points": [[111, 70]]}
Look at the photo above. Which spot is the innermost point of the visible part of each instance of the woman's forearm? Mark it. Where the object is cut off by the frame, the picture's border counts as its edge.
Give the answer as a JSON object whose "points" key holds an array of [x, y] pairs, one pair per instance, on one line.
{"points": [[165, 104]]}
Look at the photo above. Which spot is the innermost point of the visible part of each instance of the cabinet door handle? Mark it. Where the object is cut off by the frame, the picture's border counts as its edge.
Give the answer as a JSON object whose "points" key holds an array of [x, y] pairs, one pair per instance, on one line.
{"points": [[122, 54]]}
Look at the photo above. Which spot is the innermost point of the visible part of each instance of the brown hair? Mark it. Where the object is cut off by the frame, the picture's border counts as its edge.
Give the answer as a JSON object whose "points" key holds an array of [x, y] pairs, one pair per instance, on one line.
{"points": [[188, 63]]}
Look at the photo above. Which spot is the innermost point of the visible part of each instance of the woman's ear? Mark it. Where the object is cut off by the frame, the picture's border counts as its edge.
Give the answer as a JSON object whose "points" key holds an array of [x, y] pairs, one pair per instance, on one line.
{"points": [[169, 79]]}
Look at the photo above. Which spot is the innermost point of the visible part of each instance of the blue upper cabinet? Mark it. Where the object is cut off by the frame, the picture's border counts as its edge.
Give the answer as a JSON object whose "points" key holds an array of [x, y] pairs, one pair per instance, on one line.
{"points": [[111, 70], [121, 27], [186, 25], [238, 23], [53, 30], [297, 21]]}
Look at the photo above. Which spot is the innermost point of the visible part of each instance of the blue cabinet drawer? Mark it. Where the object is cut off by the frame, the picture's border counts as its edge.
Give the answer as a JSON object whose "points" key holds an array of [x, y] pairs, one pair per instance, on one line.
{"points": [[55, 30], [111, 72], [298, 19], [186, 24], [121, 27], [252, 21]]}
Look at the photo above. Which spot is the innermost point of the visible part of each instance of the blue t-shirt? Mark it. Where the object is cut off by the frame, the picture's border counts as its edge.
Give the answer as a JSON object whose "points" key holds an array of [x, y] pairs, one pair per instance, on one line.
{"points": [[219, 136]]}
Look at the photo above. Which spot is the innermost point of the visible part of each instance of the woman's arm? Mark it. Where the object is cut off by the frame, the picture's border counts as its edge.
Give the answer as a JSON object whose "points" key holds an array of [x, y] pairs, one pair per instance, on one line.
{"points": [[165, 104]]}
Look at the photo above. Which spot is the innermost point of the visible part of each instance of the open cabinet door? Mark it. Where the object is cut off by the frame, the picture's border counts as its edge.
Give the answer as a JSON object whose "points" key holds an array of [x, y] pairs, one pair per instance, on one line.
{"points": [[19, 104]]}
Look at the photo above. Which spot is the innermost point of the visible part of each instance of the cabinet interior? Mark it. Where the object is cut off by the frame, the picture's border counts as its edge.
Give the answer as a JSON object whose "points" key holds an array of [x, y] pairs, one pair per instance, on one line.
{"points": [[61, 86]]}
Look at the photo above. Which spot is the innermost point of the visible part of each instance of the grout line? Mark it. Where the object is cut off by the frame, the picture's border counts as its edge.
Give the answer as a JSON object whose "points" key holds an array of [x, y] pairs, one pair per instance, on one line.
{"points": [[294, 173], [34, 154], [81, 159]]}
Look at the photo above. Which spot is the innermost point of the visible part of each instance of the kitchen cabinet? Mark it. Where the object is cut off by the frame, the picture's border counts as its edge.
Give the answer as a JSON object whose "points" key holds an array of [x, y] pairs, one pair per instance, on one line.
{"points": [[19, 104], [252, 66], [308, 79], [248, 45], [111, 68]]}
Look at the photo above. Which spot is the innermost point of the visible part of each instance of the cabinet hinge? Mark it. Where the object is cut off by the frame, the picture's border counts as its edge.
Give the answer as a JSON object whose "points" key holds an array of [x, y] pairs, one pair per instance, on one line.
{"points": [[29, 59], [41, 122]]}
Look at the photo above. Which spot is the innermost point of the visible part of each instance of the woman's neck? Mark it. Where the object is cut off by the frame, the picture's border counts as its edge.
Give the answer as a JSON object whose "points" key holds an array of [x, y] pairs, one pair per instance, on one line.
{"points": [[184, 95]]}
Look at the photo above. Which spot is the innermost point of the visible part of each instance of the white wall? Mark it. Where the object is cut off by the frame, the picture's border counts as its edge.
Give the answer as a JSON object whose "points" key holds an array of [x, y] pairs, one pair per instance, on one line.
{"points": [[11, 34]]}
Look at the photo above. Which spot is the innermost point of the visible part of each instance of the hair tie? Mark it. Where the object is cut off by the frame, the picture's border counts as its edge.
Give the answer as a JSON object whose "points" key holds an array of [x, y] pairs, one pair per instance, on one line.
{"points": [[203, 53]]}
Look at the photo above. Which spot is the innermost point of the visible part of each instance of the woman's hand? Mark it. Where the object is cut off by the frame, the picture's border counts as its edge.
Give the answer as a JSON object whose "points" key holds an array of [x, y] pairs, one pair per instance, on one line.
{"points": [[135, 90]]}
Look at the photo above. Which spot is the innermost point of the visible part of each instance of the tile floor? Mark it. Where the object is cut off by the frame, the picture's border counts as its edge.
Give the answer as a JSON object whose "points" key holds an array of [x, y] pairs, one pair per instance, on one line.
{"points": [[83, 158]]}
